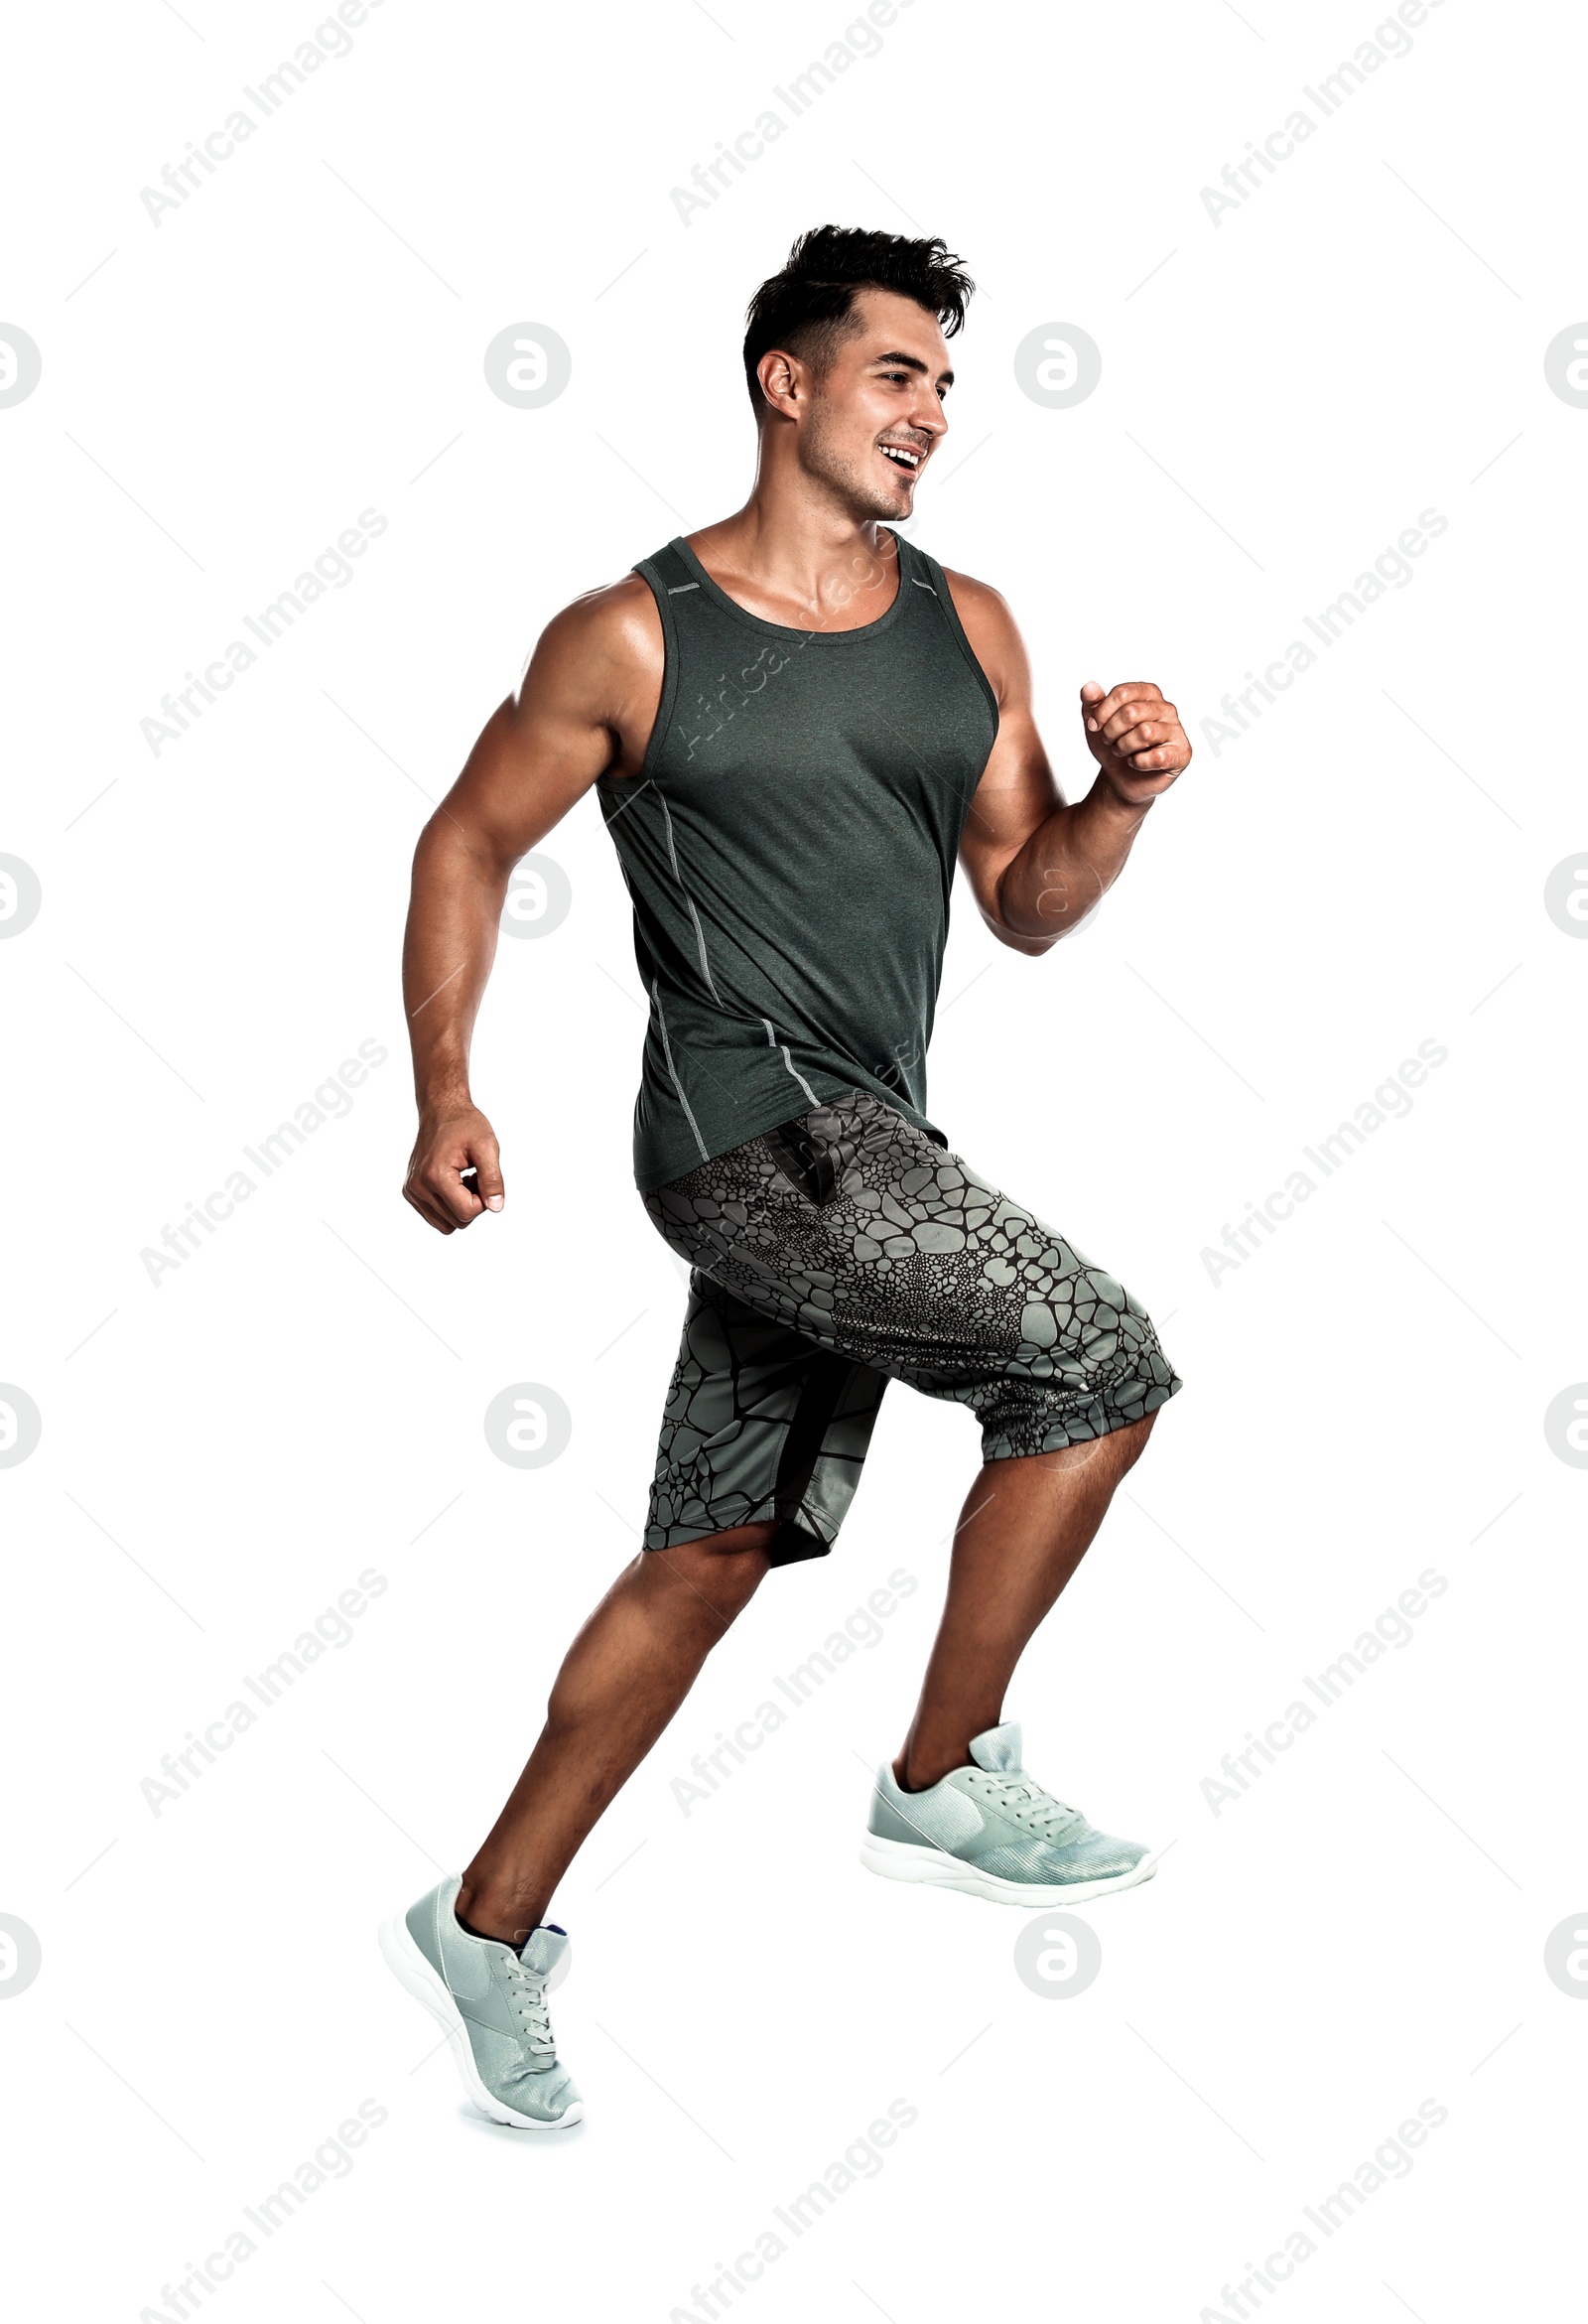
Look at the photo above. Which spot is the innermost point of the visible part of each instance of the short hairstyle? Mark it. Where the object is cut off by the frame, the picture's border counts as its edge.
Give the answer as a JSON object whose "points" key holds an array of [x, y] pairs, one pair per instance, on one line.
{"points": [[807, 308]]}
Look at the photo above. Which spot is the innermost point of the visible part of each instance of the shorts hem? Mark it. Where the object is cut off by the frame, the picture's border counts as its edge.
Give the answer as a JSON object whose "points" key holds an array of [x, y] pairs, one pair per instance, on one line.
{"points": [[792, 1545], [1080, 1428]]}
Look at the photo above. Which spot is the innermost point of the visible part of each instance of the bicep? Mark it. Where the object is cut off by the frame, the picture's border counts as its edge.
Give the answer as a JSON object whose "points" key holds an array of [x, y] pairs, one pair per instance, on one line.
{"points": [[1016, 794], [1017, 791], [544, 747], [534, 759]]}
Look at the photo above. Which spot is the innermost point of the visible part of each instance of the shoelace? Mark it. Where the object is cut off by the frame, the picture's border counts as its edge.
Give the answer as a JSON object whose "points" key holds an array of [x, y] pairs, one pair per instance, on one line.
{"points": [[529, 1994], [1029, 1803]]}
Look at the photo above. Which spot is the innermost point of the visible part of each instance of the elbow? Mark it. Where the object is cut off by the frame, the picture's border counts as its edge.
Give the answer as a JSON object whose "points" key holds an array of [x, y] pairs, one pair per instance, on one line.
{"points": [[1033, 946], [450, 840], [993, 912]]}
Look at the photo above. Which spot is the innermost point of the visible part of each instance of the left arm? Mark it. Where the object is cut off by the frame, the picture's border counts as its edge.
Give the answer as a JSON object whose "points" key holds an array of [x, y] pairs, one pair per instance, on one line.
{"points": [[1036, 865]]}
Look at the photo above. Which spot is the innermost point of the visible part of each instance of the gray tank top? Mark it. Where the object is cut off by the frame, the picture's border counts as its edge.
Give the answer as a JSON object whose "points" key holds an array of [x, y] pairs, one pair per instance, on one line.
{"points": [[789, 846]]}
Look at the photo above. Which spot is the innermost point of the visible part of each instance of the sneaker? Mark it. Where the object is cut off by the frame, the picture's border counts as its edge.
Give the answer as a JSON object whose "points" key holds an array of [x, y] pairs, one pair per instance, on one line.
{"points": [[992, 1831], [491, 2001]]}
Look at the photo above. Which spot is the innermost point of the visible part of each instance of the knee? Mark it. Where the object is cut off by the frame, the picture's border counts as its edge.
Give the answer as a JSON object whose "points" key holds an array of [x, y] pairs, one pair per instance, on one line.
{"points": [[1130, 1442], [1135, 1433], [721, 1571]]}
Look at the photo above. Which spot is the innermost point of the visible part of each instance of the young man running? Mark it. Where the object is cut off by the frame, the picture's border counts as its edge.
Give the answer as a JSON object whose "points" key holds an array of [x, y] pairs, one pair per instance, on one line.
{"points": [[795, 722]]}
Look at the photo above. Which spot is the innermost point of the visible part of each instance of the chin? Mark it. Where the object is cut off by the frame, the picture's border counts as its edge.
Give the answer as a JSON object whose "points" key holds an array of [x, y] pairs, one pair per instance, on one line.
{"points": [[883, 507], [865, 502]]}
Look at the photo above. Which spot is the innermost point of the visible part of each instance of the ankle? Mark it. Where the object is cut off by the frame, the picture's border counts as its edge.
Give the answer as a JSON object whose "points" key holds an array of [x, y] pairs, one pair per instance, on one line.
{"points": [[916, 1772], [499, 1914]]}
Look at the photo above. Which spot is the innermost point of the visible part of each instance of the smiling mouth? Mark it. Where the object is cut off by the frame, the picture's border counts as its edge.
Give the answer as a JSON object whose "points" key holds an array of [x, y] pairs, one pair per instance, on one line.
{"points": [[903, 457]]}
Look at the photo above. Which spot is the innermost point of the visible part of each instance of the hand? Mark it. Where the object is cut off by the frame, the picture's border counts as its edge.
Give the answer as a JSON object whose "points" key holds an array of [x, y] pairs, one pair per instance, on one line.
{"points": [[447, 1145], [1137, 739]]}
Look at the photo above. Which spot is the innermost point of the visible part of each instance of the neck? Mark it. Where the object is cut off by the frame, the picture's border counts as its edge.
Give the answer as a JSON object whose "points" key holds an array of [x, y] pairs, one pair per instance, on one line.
{"points": [[797, 554]]}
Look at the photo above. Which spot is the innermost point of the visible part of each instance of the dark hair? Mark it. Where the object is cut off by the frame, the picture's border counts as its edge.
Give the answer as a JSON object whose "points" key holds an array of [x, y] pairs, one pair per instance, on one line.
{"points": [[806, 307]]}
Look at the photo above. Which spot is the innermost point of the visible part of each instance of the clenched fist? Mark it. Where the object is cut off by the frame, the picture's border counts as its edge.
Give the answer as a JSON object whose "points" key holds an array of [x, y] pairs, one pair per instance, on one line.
{"points": [[1137, 739], [451, 1144]]}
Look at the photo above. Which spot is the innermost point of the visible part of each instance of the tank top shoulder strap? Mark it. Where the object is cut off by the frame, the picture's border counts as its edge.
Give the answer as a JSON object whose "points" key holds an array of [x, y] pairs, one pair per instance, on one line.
{"points": [[671, 582], [917, 569], [920, 574], [669, 576]]}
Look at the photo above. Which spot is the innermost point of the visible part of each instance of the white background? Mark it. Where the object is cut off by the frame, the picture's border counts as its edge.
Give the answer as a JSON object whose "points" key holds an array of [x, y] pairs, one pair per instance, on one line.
{"points": [[1283, 393]]}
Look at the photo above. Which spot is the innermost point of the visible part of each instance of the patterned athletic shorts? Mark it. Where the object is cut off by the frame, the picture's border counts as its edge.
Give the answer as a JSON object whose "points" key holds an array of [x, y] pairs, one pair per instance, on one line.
{"points": [[843, 1250]]}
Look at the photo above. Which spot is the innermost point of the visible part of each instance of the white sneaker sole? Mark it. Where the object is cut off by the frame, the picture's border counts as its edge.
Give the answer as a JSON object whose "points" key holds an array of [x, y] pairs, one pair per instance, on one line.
{"points": [[933, 1867], [410, 1970]]}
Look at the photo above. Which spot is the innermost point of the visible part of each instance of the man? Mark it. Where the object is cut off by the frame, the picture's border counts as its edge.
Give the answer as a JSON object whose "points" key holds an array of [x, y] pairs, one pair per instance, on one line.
{"points": [[794, 721]]}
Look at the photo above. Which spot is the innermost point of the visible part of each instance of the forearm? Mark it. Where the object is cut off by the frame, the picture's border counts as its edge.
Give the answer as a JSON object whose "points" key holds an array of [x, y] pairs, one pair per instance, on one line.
{"points": [[453, 914], [1069, 862]]}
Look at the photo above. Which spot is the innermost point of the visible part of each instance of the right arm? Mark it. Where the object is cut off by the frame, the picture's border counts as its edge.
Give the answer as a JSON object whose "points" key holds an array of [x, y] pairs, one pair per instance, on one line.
{"points": [[585, 708]]}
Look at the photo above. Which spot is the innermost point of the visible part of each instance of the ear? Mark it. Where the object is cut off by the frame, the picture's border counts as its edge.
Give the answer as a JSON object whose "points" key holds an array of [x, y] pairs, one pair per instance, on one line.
{"points": [[783, 381]]}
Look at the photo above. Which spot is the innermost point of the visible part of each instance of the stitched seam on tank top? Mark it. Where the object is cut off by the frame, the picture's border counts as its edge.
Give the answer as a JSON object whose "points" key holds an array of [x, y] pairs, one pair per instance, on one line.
{"points": [[955, 629], [773, 1043], [672, 656], [694, 918], [667, 1052]]}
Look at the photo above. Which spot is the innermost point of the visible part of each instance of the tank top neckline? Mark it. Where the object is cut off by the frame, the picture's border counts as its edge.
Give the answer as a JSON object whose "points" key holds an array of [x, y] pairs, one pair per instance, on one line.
{"points": [[730, 605]]}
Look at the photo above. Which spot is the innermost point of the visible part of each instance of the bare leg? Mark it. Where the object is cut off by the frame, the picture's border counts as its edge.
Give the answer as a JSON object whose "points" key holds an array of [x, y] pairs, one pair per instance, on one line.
{"points": [[622, 1680], [1026, 1526]]}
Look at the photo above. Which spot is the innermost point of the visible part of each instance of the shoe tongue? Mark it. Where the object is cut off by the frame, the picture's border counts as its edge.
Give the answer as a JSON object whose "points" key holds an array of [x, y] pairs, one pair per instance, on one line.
{"points": [[999, 1750], [542, 1949]]}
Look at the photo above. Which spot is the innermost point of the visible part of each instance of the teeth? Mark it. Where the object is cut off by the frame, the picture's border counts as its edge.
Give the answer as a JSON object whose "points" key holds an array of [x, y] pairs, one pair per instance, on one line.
{"points": [[898, 453]]}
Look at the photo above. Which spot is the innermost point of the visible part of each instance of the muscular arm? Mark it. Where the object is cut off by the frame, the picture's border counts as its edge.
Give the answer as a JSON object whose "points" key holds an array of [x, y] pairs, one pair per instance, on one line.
{"points": [[1036, 864], [586, 706]]}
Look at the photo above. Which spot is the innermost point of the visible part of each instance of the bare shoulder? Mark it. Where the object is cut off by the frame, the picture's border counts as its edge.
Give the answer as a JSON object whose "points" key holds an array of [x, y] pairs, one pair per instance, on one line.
{"points": [[611, 632], [992, 631], [597, 664]]}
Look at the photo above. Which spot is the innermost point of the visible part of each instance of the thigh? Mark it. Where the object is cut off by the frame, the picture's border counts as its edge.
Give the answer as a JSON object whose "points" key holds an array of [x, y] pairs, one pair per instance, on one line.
{"points": [[760, 1425], [850, 1227]]}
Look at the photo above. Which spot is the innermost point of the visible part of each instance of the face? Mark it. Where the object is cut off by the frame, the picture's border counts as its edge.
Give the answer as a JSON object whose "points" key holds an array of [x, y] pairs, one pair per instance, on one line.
{"points": [[870, 423]]}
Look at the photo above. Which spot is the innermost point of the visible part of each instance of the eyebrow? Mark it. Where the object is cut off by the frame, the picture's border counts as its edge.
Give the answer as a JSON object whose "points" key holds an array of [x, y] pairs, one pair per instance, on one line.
{"points": [[914, 363]]}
